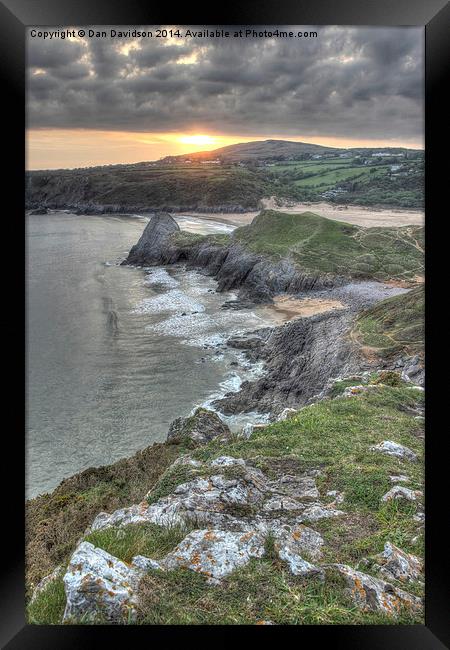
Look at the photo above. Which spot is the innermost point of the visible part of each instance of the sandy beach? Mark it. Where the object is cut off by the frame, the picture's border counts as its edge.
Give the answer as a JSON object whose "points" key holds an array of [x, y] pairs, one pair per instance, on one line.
{"points": [[358, 215]]}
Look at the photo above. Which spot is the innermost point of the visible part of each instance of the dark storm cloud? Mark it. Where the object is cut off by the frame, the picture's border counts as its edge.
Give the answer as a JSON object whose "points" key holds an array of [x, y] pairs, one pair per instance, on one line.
{"points": [[350, 82]]}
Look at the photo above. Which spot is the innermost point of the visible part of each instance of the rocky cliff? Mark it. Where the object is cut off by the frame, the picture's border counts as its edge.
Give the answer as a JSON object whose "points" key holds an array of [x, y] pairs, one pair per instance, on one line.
{"points": [[256, 276], [315, 518]]}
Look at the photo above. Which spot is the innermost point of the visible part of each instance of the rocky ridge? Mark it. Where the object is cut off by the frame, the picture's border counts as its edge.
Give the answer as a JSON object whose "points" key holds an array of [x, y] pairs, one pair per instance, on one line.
{"points": [[231, 511], [233, 507]]}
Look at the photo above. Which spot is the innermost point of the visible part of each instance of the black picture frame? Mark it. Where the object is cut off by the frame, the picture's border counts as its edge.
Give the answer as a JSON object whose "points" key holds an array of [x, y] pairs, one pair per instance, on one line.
{"points": [[15, 15]]}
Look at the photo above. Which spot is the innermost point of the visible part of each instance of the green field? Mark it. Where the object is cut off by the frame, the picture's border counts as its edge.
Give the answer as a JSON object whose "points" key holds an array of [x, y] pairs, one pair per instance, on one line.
{"points": [[235, 183]]}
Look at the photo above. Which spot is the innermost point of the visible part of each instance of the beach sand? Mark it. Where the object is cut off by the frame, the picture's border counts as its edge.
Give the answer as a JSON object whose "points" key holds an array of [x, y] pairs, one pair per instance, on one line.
{"points": [[357, 215]]}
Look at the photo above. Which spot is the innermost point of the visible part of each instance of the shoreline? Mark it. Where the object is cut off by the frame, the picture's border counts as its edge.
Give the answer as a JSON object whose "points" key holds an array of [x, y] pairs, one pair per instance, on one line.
{"points": [[357, 215], [365, 216]]}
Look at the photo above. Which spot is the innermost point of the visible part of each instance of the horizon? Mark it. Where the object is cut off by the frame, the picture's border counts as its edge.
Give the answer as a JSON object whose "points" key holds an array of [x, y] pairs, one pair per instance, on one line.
{"points": [[205, 147], [95, 101]]}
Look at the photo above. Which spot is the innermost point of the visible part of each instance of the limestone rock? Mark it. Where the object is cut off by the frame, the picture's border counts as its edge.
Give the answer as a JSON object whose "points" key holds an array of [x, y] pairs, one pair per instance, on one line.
{"points": [[145, 563], [395, 564], [286, 414], [97, 583], [400, 478], [292, 543], [227, 461], [241, 499], [373, 594], [153, 241], [318, 511], [394, 449], [401, 492], [199, 428], [215, 553], [336, 495]]}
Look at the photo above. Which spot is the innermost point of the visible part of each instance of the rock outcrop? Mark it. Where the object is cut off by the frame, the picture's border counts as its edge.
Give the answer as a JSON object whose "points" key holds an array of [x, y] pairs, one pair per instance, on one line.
{"points": [[153, 241], [372, 594], [215, 553], [235, 509], [395, 564], [299, 358], [231, 494], [198, 429], [395, 449], [98, 585], [401, 492]]}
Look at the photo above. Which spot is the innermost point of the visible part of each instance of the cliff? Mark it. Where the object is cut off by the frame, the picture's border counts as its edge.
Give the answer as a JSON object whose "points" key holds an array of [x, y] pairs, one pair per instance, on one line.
{"points": [[298, 523]]}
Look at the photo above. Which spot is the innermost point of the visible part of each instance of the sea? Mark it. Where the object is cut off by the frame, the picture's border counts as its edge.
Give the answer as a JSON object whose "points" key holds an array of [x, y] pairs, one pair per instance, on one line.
{"points": [[115, 353]]}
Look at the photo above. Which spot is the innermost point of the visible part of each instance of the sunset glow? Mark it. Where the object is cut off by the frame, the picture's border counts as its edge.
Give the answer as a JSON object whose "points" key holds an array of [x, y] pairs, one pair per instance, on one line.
{"points": [[198, 139]]}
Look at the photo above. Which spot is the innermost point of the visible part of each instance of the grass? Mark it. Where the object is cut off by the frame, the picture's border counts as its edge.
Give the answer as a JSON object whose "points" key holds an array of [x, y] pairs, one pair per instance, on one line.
{"points": [[48, 606], [394, 325], [262, 591], [149, 540], [320, 245], [55, 522], [333, 435], [328, 178]]}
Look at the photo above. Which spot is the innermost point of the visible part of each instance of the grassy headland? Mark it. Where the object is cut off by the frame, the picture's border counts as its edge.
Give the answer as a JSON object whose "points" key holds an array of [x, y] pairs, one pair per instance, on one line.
{"points": [[334, 435], [322, 245]]}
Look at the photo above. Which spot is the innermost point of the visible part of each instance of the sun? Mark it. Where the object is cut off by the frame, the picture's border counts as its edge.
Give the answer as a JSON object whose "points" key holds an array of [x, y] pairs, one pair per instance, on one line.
{"points": [[197, 139]]}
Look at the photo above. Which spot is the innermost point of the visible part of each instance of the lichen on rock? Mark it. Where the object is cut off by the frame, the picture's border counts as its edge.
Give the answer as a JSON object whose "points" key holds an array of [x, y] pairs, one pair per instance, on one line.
{"points": [[395, 449], [373, 594], [98, 585]]}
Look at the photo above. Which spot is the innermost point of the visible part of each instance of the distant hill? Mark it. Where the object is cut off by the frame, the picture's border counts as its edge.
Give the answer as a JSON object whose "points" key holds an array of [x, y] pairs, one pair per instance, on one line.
{"points": [[260, 150], [275, 150], [236, 178]]}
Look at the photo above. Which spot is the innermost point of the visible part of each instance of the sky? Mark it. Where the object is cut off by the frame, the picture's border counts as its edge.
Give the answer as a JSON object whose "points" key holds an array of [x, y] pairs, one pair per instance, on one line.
{"points": [[95, 101]]}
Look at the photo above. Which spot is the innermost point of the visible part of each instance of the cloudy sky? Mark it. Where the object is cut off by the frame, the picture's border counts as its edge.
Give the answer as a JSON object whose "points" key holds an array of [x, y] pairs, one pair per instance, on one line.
{"points": [[105, 100]]}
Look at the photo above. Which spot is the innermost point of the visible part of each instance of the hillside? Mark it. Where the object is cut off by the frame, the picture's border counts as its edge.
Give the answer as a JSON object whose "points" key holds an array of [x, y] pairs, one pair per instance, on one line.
{"points": [[259, 150], [394, 326], [146, 187], [263, 150], [322, 245], [240, 177], [345, 548]]}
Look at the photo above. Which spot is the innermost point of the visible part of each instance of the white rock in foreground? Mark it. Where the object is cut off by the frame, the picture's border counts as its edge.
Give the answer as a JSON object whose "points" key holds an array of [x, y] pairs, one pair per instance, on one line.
{"points": [[373, 594], [215, 553], [292, 544], [398, 565], [401, 492], [97, 583], [394, 449]]}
